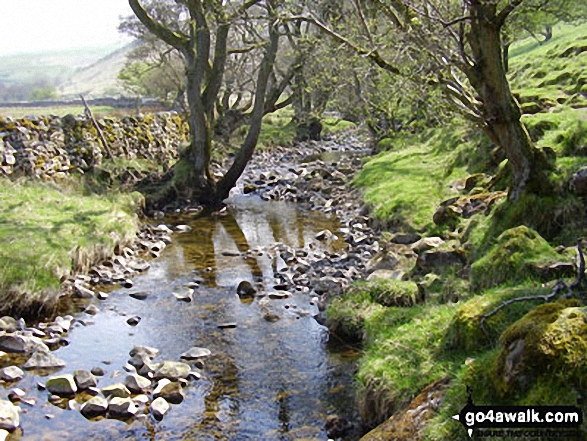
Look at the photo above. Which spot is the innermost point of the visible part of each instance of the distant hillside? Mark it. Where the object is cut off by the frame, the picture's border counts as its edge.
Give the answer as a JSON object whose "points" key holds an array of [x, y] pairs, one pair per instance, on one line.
{"points": [[97, 79], [56, 66]]}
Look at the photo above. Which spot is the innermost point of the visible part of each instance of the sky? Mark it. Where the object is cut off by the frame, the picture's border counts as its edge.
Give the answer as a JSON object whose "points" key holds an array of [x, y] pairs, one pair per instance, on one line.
{"points": [[38, 25]]}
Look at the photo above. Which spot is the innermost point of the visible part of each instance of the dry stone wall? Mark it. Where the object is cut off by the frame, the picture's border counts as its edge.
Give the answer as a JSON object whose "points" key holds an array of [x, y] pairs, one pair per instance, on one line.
{"points": [[52, 147]]}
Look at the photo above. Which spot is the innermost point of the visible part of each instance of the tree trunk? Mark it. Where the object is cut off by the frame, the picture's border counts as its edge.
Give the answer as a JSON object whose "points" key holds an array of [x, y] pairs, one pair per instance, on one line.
{"points": [[247, 149], [501, 112], [198, 153]]}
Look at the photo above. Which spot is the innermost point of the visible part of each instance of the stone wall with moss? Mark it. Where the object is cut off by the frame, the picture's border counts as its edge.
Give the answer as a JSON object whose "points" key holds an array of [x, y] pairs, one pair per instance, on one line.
{"points": [[52, 147]]}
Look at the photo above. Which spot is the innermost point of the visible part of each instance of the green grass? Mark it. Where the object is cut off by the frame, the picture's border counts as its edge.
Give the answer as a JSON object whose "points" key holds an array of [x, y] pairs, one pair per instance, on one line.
{"points": [[61, 111], [407, 348], [48, 232], [405, 186]]}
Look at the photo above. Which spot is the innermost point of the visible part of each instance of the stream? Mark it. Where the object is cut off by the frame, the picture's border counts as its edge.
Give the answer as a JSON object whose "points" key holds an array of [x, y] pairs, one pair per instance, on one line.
{"points": [[267, 379]]}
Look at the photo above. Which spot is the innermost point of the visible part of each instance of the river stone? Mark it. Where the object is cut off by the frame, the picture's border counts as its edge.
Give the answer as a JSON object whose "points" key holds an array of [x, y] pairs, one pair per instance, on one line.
{"points": [[92, 310], [9, 416], [84, 379], [122, 408], [136, 383], [195, 353], [183, 228], [8, 324], [95, 406], [245, 289], [61, 385], [43, 359], [13, 343], [158, 408], [139, 295], [11, 373], [169, 390], [98, 371], [172, 370], [133, 321], [185, 296], [117, 390], [147, 350]]}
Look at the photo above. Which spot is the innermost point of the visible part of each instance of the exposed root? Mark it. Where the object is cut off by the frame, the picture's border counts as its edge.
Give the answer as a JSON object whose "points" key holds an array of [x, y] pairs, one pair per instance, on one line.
{"points": [[561, 289]]}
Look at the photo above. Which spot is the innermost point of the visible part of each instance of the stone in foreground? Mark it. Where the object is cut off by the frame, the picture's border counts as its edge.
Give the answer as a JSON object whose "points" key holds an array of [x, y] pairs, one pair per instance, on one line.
{"points": [[117, 390], [62, 385], [195, 353], [94, 407], [9, 416], [136, 383], [122, 408], [43, 359], [84, 379], [159, 408], [11, 373], [172, 370]]}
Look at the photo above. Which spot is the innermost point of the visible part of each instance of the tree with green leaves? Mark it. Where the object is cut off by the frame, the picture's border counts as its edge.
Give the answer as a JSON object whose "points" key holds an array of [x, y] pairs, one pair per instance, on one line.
{"points": [[463, 44], [200, 31]]}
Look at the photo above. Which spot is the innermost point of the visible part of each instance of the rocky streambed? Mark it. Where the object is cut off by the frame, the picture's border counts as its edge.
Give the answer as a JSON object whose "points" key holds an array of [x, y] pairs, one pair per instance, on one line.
{"points": [[220, 337]]}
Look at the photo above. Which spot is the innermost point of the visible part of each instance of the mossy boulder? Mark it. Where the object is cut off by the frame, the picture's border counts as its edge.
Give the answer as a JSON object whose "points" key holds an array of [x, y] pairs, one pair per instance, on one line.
{"points": [[465, 331], [549, 340], [393, 292], [514, 258]]}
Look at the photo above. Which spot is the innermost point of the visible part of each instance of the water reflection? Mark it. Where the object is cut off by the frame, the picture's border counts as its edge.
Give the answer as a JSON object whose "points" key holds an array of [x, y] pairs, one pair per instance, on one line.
{"points": [[264, 381]]}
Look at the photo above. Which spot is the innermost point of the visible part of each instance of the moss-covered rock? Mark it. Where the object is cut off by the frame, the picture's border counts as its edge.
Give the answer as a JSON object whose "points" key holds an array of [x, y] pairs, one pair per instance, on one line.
{"points": [[393, 292], [466, 332], [512, 259], [549, 340]]}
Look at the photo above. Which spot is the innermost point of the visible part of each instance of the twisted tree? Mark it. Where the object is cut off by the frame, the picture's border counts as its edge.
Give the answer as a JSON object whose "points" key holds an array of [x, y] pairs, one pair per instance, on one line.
{"points": [[200, 31]]}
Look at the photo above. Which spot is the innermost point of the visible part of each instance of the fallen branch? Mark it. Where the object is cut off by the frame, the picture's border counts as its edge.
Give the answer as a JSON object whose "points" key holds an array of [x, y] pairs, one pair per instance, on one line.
{"points": [[559, 287], [88, 113]]}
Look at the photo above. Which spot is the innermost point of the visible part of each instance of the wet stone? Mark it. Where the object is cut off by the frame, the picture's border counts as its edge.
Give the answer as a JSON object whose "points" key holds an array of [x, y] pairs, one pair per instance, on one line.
{"points": [[62, 385], [195, 353], [122, 408], [94, 407], [136, 383], [44, 359], [159, 408], [116, 390], [169, 390], [98, 371], [172, 370], [84, 379], [11, 373], [9, 416]]}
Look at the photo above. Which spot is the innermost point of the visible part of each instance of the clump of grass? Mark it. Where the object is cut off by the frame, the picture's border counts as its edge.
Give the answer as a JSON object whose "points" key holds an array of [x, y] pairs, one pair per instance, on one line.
{"points": [[45, 229]]}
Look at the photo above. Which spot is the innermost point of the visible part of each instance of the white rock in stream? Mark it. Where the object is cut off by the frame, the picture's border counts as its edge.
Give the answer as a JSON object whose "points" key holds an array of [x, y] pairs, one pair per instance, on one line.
{"points": [[95, 406], [136, 383], [122, 407], [84, 379], [159, 408], [195, 353], [9, 416], [169, 390], [43, 359], [11, 373], [173, 370]]}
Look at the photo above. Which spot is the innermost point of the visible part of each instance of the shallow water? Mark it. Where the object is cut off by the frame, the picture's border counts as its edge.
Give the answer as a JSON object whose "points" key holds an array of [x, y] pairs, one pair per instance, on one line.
{"points": [[264, 381]]}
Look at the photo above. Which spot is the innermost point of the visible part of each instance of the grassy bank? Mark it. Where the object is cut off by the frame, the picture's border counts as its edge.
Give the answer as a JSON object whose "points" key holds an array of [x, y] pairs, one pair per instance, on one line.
{"points": [[527, 352], [49, 232]]}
